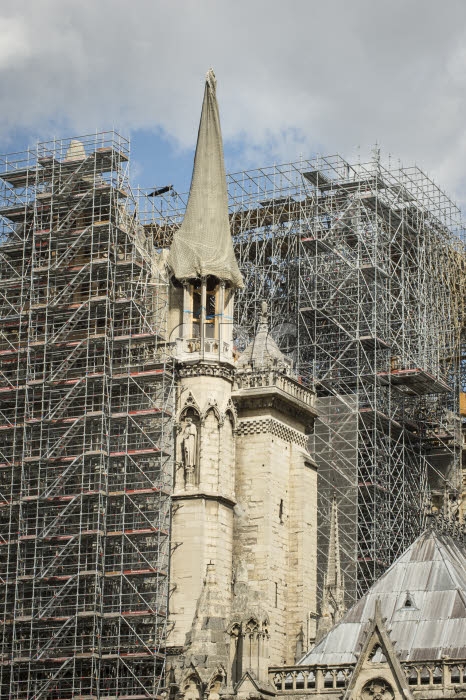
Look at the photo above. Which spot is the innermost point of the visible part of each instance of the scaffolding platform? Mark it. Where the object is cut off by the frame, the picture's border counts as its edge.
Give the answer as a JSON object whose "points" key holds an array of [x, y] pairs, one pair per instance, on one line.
{"points": [[373, 342], [418, 380], [317, 245], [372, 272], [375, 418]]}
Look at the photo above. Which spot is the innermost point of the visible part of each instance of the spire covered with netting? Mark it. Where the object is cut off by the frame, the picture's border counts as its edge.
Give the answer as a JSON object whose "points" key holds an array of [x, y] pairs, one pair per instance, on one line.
{"points": [[202, 245]]}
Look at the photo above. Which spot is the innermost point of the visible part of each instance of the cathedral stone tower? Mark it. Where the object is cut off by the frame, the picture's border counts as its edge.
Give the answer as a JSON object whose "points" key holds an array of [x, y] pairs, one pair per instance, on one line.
{"points": [[204, 276], [244, 502]]}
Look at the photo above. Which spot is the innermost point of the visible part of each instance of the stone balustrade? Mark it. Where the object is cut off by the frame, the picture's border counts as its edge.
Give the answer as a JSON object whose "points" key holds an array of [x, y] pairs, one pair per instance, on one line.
{"points": [[309, 679], [272, 378], [212, 347], [446, 673]]}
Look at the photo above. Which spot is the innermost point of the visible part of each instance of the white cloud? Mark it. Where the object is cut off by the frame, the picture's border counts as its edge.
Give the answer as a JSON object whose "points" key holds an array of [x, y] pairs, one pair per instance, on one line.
{"points": [[294, 77], [14, 44]]}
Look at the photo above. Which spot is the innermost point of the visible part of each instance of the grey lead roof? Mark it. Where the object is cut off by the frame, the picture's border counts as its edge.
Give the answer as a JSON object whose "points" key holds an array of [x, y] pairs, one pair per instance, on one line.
{"points": [[432, 575], [202, 245]]}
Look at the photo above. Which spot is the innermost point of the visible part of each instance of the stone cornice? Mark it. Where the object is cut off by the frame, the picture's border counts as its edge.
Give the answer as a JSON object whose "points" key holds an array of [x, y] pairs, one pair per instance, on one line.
{"points": [[279, 393], [206, 369], [197, 495]]}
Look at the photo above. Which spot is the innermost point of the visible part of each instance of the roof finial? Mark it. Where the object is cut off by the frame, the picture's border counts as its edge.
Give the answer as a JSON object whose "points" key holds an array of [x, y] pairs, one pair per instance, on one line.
{"points": [[211, 79], [263, 318]]}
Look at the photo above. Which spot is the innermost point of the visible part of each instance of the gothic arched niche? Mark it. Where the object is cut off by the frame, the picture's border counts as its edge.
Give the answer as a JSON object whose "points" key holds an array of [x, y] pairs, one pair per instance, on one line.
{"points": [[210, 447], [191, 689], [377, 689], [189, 445], [214, 688]]}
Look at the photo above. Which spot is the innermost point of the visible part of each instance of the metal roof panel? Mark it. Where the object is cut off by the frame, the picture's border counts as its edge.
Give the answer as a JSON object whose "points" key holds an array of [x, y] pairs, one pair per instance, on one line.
{"points": [[433, 572]]}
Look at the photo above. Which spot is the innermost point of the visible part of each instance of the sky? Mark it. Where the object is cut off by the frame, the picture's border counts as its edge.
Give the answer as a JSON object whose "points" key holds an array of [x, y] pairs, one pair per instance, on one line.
{"points": [[295, 78]]}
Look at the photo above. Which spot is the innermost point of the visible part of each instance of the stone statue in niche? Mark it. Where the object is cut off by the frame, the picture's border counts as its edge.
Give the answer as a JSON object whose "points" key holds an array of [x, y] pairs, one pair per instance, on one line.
{"points": [[189, 450]]}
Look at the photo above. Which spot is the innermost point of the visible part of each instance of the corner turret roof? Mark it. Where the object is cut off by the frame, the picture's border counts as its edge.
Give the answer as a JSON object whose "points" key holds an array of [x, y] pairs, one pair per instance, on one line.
{"points": [[263, 352]]}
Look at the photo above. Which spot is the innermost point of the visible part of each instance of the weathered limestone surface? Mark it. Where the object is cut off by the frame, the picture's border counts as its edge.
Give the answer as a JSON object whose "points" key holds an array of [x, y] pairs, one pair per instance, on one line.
{"points": [[202, 525], [302, 557], [243, 566], [275, 525]]}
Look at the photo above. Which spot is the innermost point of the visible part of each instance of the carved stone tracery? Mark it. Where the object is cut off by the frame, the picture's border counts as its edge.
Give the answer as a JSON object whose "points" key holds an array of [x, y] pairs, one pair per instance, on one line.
{"points": [[206, 370], [377, 689]]}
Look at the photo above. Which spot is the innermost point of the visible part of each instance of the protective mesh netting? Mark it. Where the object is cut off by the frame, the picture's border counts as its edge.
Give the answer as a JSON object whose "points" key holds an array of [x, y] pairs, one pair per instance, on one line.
{"points": [[202, 245]]}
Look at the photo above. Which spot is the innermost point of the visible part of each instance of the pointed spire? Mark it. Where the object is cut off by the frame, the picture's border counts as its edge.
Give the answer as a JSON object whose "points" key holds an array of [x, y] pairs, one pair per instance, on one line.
{"points": [[202, 245], [333, 594], [333, 578]]}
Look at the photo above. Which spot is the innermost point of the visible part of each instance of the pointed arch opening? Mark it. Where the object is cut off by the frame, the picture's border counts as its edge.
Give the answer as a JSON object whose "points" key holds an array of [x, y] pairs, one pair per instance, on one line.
{"points": [[192, 689]]}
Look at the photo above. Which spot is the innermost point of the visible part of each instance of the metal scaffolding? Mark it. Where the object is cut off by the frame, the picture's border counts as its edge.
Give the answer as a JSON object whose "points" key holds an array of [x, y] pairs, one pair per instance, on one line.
{"points": [[363, 267], [86, 394]]}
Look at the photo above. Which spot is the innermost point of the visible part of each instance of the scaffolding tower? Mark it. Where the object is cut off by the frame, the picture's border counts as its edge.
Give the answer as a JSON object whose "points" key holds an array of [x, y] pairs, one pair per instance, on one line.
{"points": [[86, 395], [363, 267]]}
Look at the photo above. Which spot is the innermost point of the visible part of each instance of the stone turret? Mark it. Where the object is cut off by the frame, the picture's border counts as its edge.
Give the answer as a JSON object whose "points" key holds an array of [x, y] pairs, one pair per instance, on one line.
{"points": [[274, 550], [204, 275], [243, 558]]}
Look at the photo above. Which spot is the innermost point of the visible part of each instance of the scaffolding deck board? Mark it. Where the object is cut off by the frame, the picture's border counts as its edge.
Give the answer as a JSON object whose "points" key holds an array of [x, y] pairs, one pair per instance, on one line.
{"points": [[417, 379]]}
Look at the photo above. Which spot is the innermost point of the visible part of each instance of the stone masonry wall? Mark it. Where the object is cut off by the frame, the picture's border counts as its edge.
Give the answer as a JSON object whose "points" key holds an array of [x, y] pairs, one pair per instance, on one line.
{"points": [[274, 532], [202, 525]]}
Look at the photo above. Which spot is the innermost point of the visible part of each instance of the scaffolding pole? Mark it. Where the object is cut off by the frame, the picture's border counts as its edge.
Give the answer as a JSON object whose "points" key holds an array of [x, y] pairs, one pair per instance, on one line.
{"points": [[86, 405], [363, 269]]}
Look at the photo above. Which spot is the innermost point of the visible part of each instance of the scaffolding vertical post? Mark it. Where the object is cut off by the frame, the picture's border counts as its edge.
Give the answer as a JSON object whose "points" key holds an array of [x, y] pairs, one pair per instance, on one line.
{"points": [[362, 266], [86, 400]]}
